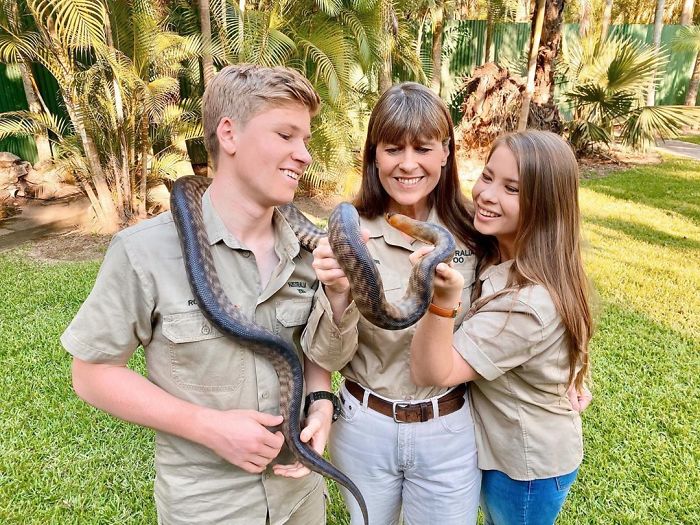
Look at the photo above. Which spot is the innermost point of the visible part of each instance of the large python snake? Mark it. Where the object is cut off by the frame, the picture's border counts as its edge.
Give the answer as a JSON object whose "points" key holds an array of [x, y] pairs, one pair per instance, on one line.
{"points": [[365, 284]]}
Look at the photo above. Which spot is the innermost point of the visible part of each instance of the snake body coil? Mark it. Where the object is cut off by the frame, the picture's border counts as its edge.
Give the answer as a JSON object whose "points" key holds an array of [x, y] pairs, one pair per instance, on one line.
{"points": [[366, 287]]}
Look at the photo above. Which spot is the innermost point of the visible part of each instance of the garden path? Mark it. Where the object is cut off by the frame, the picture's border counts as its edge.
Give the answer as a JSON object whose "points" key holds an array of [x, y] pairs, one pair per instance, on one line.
{"points": [[678, 147]]}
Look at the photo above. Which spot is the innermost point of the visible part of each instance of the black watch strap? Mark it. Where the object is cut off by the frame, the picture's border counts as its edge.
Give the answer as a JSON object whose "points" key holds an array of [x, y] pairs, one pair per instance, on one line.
{"points": [[322, 394]]}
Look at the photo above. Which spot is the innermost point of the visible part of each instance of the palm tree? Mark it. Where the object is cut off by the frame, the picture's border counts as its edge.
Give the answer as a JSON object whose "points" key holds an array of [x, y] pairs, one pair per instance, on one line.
{"points": [[536, 33], [607, 14], [118, 81], [611, 79], [12, 22], [205, 24], [687, 13], [658, 26], [550, 43], [688, 40]]}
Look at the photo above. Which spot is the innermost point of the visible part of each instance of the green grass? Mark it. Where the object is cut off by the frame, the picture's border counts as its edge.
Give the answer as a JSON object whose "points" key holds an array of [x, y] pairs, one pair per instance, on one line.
{"points": [[63, 462], [695, 139]]}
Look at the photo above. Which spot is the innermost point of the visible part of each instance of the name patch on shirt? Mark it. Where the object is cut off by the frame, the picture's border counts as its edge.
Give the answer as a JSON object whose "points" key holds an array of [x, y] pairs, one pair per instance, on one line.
{"points": [[461, 255], [300, 286]]}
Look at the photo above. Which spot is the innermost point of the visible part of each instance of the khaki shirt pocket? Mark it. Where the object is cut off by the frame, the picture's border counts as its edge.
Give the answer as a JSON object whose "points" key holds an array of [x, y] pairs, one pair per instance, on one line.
{"points": [[291, 314], [202, 359]]}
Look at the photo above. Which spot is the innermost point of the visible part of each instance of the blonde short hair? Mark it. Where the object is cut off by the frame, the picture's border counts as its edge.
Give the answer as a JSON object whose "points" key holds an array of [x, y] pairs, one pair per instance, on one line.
{"points": [[241, 91]]}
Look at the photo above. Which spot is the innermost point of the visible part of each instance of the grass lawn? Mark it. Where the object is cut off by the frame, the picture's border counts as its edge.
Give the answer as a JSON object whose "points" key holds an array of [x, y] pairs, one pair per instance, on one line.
{"points": [[62, 462], [695, 139]]}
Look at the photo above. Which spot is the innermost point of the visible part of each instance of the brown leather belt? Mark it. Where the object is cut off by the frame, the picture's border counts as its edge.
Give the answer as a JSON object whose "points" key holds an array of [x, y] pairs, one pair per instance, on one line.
{"points": [[404, 412]]}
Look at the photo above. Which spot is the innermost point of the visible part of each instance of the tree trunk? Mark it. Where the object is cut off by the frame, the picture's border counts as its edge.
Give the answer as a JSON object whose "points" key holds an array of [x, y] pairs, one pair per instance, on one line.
{"points": [[490, 26], [144, 167], [658, 26], [536, 34], [584, 25], [607, 13], [391, 28], [122, 172], [438, 21], [550, 42], [43, 147], [691, 96], [205, 22], [687, 12]]}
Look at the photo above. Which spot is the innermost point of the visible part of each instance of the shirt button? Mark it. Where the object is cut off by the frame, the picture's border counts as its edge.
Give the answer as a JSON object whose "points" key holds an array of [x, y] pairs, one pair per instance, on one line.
{"points": [[245, 253], [265, 395], [206, 329]]}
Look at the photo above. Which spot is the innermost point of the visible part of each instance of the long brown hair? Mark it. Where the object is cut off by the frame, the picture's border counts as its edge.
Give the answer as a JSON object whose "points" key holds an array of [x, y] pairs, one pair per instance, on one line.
{"points": [[547, 242], [410, 112]]}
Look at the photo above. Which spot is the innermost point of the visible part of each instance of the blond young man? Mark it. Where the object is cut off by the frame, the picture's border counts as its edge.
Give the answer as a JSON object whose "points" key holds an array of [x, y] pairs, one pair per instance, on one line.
{"points": [[210, 399]]}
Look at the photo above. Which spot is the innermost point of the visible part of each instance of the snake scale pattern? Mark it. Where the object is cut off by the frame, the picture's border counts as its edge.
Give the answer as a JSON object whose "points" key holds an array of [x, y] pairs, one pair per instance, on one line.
{"points": [[365, 282]]}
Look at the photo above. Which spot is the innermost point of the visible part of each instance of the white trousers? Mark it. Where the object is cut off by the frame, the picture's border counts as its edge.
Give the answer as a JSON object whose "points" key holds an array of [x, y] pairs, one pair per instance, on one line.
{"points": [[428, 470]]}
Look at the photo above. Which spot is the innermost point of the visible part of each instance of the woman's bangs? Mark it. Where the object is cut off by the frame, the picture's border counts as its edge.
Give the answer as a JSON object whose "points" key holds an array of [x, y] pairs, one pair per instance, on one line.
{"points": [[410, 121]]}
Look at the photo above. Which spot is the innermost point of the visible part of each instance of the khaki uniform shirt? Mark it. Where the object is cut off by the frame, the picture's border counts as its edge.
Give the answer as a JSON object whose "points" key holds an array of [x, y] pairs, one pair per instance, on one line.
{"points": [[525, 424], [142, 297], [379, 359]]}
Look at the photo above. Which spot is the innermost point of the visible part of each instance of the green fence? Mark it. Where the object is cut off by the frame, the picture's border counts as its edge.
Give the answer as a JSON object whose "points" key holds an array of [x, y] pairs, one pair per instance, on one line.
{"points": [[464, 44]]}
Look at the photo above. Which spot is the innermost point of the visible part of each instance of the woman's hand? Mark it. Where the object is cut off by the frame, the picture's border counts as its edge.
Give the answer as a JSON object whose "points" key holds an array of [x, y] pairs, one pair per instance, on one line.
{"points": [[579, 400], [448, 283]]}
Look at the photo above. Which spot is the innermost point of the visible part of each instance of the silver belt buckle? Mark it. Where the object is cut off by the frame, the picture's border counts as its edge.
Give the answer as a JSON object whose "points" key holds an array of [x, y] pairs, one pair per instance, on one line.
{"points": [[396, 405]]}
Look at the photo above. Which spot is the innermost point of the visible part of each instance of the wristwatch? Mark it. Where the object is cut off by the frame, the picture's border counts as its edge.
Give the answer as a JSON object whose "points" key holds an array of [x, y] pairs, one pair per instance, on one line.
{"points": [[322, 394], [445, 312]]}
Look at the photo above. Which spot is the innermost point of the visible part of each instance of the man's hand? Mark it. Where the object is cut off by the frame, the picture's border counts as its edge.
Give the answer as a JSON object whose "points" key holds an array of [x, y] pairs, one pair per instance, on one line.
{"points": [[241, 437], [316, 431], [329, 271]]}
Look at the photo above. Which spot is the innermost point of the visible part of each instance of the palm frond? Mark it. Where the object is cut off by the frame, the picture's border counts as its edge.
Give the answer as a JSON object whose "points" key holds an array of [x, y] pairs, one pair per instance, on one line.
{"points": [[648, 123], [78, 24], [27, 123], [687, 40]]}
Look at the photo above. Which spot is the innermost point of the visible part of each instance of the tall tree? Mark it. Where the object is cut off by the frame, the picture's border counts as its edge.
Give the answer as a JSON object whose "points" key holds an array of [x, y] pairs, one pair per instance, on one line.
{"points": [[13, 22], [658, 27], [436, 48], [535, 35], [687, 40], [550, 43], [607, 15], [205, 23], [584, 25], [687, 12]]}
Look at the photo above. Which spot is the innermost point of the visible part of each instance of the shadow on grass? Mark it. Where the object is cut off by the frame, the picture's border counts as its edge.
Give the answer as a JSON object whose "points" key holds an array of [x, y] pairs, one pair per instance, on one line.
{"points": [[642, 232], [656, 186]]}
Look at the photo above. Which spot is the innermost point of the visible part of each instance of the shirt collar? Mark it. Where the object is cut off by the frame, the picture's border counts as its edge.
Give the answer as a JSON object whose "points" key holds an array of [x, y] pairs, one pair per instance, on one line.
{"points": [[286, 242], [497, 274]]}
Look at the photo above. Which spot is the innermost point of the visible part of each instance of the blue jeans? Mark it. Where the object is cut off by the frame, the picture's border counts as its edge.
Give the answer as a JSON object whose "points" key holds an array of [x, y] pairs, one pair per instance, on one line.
{"points": [[506, 501]]}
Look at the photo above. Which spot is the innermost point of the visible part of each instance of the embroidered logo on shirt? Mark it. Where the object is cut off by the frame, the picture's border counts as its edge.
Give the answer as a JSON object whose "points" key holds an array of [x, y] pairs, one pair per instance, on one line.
{"points": [[300, 286], [461, 255], [191, 302]]}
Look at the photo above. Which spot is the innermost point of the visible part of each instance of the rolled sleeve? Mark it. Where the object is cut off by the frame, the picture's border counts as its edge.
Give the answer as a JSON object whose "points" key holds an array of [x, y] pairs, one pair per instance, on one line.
{"points": [[502, 335], [329, 345], [116, 316]]}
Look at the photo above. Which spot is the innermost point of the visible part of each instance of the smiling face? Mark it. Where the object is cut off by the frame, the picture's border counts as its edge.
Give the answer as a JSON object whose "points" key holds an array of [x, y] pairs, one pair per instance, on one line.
{"points": [[409, 172], [269, 153], [496, 198]]}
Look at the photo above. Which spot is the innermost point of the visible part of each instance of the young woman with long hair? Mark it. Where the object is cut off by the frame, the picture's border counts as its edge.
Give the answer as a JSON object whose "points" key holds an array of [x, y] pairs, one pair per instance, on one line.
{"points": [[525, 338]]}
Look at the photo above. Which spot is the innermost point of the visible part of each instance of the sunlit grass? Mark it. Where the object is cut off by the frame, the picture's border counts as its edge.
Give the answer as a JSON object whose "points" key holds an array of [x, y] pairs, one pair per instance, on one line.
{"points": [[62, 462]]}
